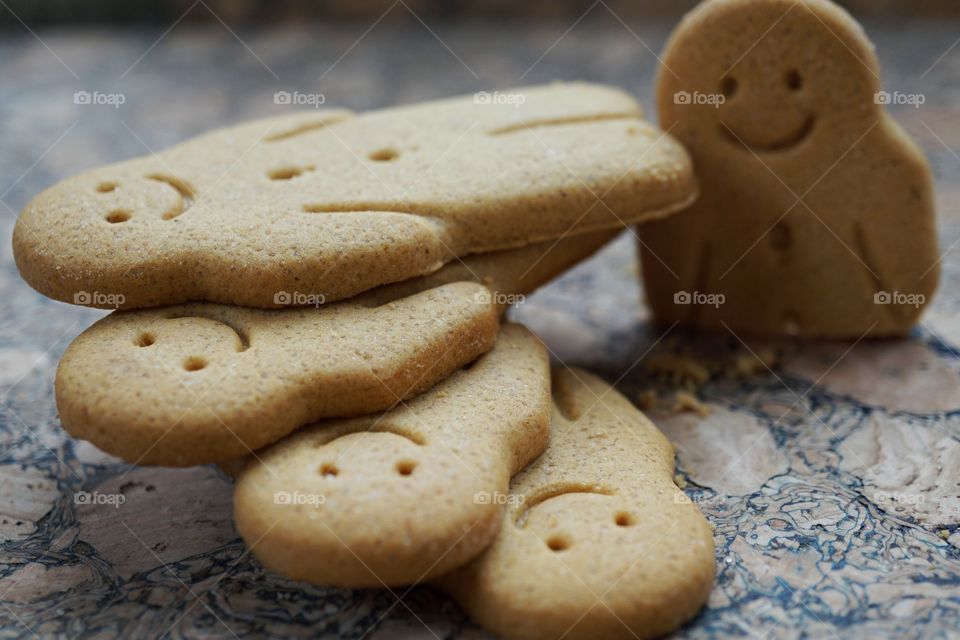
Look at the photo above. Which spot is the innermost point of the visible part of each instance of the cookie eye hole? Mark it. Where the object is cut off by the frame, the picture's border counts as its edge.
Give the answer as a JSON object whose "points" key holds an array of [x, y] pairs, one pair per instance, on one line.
{"points": [[194, 363], [406, 467], [728, 86], [145, 340], [558, 543], [623, 519], [286, 173], [328, 470], [384, 155], [118, 215], [794, 80]]}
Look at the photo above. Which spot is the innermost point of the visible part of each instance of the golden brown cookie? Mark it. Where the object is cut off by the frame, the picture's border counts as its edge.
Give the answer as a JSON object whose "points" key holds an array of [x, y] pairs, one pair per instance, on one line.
{"points": [[597, 540], [329, 204], [400, 497], [816, 214], [202, 382]]}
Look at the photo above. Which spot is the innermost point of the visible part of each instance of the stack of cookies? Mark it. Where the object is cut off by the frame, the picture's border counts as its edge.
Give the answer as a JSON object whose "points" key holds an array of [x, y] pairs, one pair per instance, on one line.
{"points": [[315, 303]]}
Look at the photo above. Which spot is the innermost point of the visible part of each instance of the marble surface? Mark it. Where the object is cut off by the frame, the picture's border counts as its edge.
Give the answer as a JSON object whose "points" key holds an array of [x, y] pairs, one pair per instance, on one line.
{"points": [[831, 473]]}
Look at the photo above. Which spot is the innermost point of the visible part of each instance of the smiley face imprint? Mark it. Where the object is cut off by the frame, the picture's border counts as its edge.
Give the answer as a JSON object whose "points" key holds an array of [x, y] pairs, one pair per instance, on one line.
{"points": [[796, 135]]}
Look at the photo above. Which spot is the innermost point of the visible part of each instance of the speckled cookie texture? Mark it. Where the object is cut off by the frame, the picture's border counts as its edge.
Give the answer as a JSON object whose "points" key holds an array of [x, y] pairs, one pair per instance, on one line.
{"points": [[399, 498], [331, 204], [597, 541], [202, 382], [816, 216]]}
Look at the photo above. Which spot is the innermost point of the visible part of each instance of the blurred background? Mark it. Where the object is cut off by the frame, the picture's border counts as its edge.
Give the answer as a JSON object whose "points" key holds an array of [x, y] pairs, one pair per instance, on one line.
{"points": [[270, 11]]}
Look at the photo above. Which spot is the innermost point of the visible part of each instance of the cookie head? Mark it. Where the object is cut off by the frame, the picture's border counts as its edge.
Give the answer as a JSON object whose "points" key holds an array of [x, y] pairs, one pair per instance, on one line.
{"points": [[587, 538], [569, 525], [371, 503], [767, 76]]}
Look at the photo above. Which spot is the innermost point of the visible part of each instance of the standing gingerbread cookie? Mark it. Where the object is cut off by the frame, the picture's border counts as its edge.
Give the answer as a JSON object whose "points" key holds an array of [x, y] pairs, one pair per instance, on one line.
{"points": [[816, 212]]}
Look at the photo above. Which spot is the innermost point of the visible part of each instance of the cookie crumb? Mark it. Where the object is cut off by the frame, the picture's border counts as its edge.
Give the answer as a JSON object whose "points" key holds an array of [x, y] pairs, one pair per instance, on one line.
{"points": [[684, 402], [677, 368], [647, 400], [680, 481], [943, 533], [750, 364]]}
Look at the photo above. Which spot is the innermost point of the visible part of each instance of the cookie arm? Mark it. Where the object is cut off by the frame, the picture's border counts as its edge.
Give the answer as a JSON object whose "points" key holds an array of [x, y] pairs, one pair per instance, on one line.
{"points": [[897, 240]]}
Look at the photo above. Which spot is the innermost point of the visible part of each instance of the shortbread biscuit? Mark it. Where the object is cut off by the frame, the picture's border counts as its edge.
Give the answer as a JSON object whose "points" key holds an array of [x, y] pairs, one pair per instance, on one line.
{"points": [[597, 540], [816, 216], [331, 204], [399, 498], [198, 383]]}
